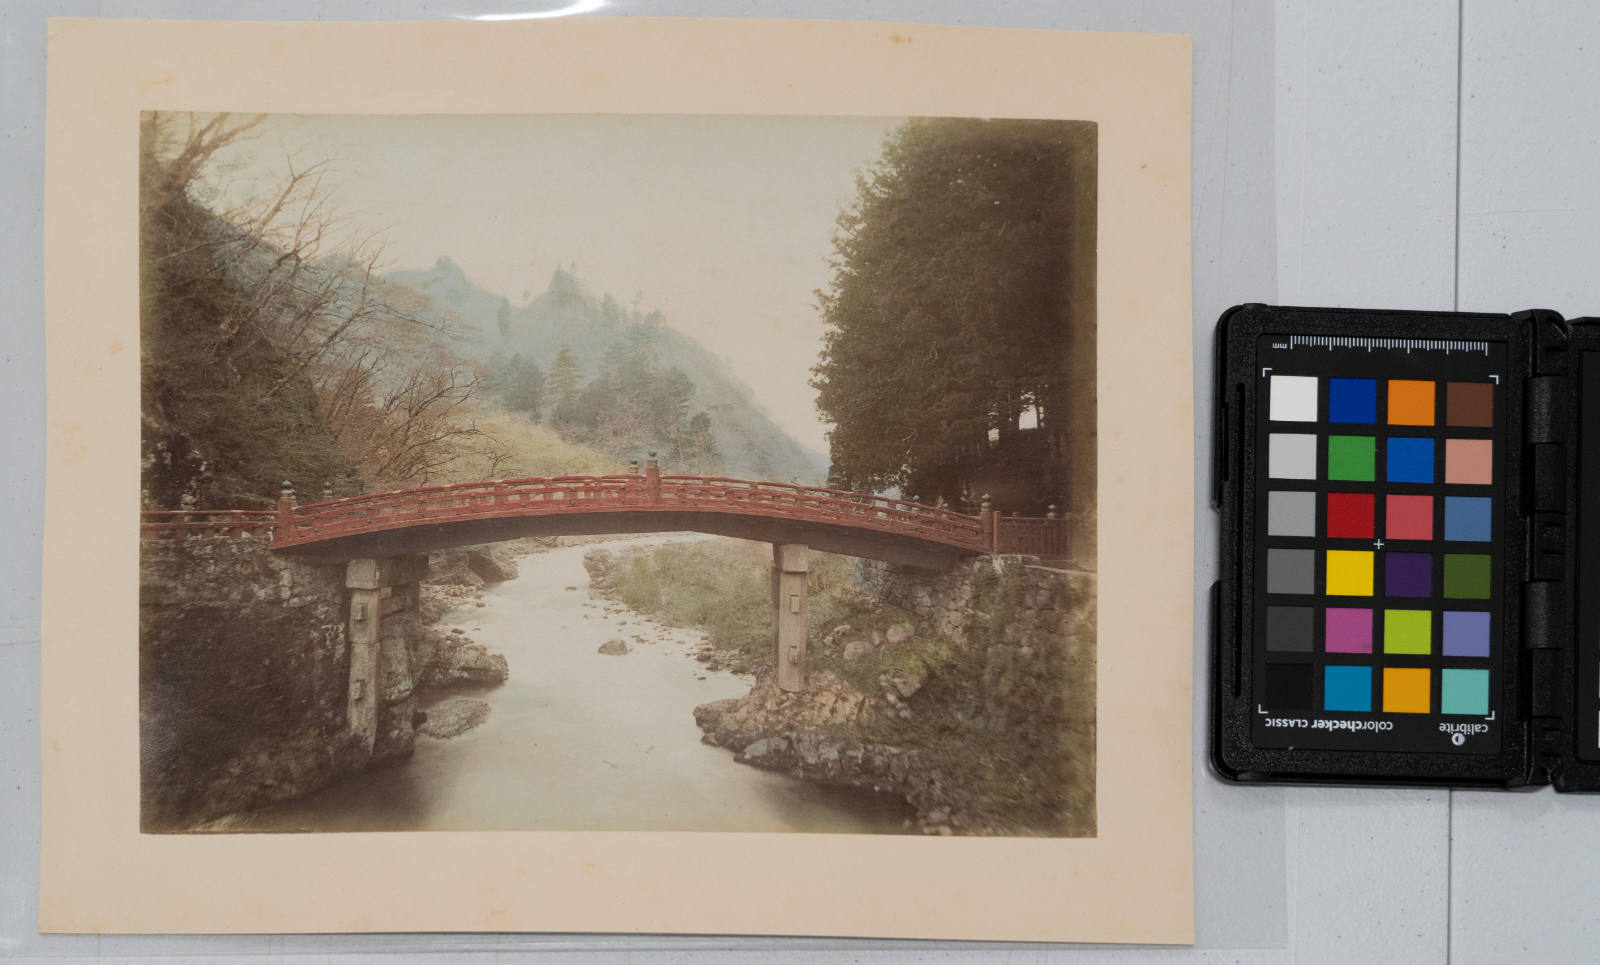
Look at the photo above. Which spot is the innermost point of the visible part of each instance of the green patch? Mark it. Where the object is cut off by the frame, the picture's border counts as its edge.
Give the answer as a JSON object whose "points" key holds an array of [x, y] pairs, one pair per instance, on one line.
{"points": [[1466, 576], [1352, 458]]}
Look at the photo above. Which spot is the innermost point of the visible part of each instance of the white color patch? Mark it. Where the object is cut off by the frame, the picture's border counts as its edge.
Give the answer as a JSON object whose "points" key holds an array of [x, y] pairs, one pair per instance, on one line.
{"points": [[1294, 398]]}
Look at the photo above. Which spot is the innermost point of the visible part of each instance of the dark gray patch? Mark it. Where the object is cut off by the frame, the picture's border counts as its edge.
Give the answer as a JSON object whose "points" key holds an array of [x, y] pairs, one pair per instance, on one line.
{"points": [[1289, 628]]}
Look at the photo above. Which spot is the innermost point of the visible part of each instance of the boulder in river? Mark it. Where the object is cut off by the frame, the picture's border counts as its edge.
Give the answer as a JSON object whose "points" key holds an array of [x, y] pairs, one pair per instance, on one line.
{"points": [[468, 664], [615, 648], [454, 717], [601, 566]]}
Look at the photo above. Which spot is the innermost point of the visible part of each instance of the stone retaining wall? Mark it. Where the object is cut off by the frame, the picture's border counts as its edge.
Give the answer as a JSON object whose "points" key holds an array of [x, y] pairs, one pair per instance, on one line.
{"points": [[246, 693]]}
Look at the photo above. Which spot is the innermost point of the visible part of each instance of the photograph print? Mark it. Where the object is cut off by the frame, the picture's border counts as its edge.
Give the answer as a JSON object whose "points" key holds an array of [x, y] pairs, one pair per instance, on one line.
{"points": [[616, 473]]}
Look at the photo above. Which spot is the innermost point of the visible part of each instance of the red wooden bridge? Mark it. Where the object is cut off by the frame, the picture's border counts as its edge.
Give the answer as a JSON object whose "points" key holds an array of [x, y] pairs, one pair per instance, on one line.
{"points": [[436, 517]]}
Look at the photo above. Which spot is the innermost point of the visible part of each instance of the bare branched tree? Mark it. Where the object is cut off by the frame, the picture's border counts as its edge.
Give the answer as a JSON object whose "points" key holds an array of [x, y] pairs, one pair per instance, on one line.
{"points": [[299, 278]]}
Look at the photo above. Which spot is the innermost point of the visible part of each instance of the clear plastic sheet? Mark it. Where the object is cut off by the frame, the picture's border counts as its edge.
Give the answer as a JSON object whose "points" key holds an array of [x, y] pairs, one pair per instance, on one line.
{"points": [[1239, 843]]}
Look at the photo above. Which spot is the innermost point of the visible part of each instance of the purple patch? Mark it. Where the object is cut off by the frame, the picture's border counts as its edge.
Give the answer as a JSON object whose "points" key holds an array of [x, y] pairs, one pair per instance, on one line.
{"points": [[1466, 633], [1408, 574]]}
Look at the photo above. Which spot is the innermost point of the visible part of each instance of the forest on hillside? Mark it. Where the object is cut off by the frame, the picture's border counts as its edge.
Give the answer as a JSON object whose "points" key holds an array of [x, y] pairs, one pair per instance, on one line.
{"points": [[275, 347]]}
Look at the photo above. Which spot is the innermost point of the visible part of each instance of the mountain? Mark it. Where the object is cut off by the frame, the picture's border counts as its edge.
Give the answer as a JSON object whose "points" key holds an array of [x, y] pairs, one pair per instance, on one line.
{"points": [[593, 329], [476, 311]]}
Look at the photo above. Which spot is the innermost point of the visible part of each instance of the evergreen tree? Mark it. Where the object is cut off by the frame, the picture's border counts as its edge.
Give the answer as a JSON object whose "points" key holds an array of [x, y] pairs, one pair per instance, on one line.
{"points": [[520, 385], [948, 309], [699, 446], [563, 379]]}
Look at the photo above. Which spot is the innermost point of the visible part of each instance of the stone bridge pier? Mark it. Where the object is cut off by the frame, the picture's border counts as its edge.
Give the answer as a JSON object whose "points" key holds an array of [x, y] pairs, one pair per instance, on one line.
{"points": [[790, 577], [382, 621]]}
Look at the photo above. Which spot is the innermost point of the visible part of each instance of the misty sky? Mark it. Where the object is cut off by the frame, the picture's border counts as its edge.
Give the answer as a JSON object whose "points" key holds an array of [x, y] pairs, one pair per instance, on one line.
{"points": [[723, 223]]}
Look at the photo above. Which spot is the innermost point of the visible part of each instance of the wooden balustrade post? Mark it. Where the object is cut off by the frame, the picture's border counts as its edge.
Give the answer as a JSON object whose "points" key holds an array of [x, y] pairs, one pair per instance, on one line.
{"points": [[988, 525], [652, 478], [630, 488], [282, 526]]}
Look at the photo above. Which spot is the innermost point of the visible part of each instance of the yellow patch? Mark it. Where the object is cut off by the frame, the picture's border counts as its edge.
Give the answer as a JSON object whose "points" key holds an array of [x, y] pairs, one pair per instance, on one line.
{"points": [[1349, 572]]}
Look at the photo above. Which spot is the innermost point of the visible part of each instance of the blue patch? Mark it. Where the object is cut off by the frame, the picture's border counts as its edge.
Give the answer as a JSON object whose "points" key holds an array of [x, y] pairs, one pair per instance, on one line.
{"points": [[1466, 518], [1347, 688], [1353, 400], [1410, 460]]}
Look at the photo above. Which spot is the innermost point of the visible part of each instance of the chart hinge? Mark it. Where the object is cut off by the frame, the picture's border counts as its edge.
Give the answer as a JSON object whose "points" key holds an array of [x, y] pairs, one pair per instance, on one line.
{"points": [[1548, 669], [1547, 409], [1549, 331], [1547, 546], [1544, 615], [1548, 666], [1549, 467]]}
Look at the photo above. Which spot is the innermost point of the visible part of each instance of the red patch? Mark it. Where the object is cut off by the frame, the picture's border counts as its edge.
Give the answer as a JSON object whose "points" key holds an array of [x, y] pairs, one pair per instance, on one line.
{"points": [[1350, 515]]}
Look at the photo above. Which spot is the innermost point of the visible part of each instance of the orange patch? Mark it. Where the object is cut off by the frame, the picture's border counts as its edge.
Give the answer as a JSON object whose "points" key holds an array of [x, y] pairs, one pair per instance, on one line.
{"points": [[1410, 403], [1406, 690]]}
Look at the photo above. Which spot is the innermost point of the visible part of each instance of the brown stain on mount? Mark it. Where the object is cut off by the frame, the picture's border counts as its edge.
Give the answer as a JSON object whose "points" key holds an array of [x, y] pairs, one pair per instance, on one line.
{"points": [[899, 39], [71, 442]]}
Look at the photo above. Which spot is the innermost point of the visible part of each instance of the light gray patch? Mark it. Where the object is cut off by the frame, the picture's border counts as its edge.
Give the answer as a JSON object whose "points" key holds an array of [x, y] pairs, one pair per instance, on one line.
{"points": [[1291, 455], [1291, 514]]}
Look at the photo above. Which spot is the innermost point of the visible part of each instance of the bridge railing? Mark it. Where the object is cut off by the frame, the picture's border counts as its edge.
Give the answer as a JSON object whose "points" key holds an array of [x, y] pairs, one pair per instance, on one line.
{"points": [[497, 498], [291, 525], [530, 496], [1033, 536], [192, 524], [819, 504]]}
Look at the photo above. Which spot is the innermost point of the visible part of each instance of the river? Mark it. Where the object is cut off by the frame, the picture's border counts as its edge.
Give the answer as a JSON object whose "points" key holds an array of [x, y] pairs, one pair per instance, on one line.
{"points": [[578, 740]]}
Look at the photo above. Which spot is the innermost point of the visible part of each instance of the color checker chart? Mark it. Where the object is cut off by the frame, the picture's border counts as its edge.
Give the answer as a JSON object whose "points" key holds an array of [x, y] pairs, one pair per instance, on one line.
{"points": [[1377, 582]]}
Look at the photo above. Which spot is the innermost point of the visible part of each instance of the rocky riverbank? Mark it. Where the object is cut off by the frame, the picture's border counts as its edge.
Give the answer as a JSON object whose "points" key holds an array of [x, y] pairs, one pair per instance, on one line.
{"points": [[248, 691], [970, 694]]}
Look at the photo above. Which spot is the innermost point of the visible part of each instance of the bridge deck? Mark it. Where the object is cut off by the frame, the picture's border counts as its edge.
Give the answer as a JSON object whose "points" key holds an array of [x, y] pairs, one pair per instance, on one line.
{"points": [[436, 517]]}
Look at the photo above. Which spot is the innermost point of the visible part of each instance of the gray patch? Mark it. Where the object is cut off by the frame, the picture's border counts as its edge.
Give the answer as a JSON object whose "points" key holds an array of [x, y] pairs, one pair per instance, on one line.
{"points": [[1291, 514], [1291, 571]]}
